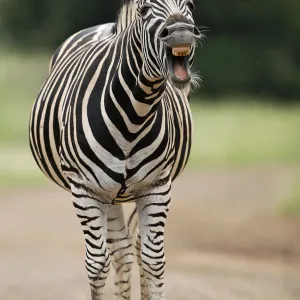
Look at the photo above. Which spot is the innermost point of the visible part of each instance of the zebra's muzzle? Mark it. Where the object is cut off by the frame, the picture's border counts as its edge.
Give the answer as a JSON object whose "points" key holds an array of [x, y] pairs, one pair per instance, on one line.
{"points": [[179, 39], [180, 34]]}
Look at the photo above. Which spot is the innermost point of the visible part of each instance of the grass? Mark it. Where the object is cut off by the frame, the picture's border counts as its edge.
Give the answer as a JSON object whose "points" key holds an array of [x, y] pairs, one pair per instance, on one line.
{"points": [[290, 205], [21, 77], [228, 134], [238, 132], [18, 168]]}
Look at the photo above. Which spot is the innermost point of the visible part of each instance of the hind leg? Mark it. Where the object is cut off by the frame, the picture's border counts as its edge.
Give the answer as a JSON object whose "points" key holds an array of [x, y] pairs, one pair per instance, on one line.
{"points": [[143, 283], [135, 232], [120, 245]]}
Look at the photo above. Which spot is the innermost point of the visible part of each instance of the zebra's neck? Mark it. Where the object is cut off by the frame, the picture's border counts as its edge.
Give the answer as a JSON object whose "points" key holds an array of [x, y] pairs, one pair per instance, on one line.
{"points": [[142, 90]]}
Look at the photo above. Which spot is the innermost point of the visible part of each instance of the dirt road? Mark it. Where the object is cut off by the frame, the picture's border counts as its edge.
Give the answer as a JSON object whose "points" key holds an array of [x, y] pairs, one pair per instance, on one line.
{"points": [[225, 241]]}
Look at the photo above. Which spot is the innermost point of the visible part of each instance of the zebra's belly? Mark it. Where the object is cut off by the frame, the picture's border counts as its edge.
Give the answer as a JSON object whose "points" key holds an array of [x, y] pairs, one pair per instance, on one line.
{"points": [[143, 181], [117, 180]]}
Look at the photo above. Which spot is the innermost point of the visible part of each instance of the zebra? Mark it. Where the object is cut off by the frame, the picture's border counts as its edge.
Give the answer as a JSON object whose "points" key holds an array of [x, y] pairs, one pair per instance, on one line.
{"points": [[112, 124]]}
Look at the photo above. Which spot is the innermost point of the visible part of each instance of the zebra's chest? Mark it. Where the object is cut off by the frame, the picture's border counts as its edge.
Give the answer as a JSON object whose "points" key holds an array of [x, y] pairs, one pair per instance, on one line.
{"points": [[115, 158], [114, 167]]}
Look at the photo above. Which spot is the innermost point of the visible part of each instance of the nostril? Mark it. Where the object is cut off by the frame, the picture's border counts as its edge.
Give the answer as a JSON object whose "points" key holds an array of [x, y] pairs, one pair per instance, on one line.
{"points": [[164, 33]]}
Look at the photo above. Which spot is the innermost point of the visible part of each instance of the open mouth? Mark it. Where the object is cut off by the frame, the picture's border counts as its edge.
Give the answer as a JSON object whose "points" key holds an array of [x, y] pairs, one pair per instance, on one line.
{"points": [[178, 64]]}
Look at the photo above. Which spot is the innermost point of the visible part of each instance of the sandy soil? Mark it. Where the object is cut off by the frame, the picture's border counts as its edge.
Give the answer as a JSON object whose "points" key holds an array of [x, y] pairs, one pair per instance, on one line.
{"points": [[225, 241]]}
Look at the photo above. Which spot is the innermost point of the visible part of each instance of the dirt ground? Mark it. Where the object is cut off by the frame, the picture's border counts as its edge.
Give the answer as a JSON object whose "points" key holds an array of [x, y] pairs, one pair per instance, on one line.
{"points": [[224, 241]]}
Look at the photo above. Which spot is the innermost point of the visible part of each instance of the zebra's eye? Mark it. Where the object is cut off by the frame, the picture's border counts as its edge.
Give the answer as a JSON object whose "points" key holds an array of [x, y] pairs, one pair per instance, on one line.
{"points": [[145, 9], [190, 4]]}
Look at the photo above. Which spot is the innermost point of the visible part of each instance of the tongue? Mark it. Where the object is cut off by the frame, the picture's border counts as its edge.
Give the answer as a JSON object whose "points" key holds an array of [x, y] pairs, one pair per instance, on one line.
{"points": [[179, 71]]}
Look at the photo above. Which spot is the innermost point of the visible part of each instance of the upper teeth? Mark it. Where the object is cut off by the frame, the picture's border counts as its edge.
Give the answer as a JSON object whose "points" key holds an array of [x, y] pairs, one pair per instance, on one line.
{"points": [[181, 51]]}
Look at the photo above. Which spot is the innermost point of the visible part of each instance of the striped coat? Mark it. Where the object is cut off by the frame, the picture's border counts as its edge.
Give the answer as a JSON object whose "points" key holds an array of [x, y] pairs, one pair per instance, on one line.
{"points": [[112, 124], [87, 119]]}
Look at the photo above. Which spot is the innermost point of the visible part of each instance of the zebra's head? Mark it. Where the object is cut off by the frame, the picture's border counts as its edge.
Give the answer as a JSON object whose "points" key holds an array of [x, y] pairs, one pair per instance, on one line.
{"points": [[168, 38]]}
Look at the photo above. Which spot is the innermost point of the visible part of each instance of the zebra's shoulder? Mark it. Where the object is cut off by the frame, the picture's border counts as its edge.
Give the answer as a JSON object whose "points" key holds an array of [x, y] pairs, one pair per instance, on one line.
{"points": [[84, 37]]}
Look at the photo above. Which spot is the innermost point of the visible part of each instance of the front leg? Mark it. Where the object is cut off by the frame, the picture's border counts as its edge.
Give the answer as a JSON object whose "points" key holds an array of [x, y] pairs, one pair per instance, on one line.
{"points": [[93, 218], [153, 210]]}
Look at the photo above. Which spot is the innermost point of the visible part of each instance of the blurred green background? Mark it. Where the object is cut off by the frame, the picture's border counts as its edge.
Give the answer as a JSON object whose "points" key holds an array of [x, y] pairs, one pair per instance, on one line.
{"points": [[247, 112], [252, 47]]}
